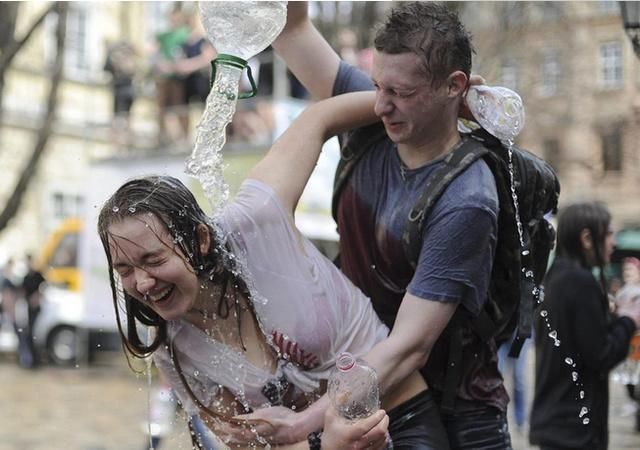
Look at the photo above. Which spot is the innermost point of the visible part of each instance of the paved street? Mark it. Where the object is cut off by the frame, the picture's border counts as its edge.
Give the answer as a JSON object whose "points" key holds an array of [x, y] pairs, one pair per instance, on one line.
{"points": [[104, 407], [100, 408]]}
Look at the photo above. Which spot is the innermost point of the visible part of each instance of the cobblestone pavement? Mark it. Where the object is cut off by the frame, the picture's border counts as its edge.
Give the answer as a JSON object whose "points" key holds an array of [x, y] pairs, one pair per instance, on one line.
{"points": [[104, 407]]}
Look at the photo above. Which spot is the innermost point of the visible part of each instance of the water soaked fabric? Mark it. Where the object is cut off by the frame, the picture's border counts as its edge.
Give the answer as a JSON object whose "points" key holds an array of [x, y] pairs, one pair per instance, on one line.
{"points": [[372, 213], [484, 428], [306, 309], [416, 425]]}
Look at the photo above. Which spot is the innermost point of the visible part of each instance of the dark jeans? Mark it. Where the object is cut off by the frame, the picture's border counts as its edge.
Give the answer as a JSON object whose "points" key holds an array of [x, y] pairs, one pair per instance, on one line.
{"points": [[482, 428], [416, 425]]}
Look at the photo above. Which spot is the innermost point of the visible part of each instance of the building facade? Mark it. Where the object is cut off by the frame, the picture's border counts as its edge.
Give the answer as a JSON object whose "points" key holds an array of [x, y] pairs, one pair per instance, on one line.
{"points": [[579, 78]]}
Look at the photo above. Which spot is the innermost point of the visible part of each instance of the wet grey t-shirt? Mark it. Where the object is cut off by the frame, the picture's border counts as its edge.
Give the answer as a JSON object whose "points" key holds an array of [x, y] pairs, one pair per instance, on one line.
{"points": [[456, 255], [458, 239]]}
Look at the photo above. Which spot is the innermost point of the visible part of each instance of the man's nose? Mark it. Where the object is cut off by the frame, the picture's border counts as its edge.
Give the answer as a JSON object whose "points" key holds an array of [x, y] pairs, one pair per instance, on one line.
{"points": [[383, 105], [144, 281]]}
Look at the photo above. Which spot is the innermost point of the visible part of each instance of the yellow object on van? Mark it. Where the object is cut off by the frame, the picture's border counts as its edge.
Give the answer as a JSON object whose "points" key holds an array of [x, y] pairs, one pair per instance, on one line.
{"points": [[59, 257]]}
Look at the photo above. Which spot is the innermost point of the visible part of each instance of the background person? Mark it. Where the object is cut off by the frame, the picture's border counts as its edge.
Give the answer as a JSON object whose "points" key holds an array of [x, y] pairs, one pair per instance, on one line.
{"points": [[516, 370], [32, 286], [170, 89], [121, 64], [595, 340], [228, 344]]}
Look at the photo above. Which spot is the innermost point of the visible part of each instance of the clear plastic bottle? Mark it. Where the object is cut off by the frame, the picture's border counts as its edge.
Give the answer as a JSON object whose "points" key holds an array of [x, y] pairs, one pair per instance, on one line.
{"points": [[353, 388], [238, 31], [497, 109], [243, 29]]}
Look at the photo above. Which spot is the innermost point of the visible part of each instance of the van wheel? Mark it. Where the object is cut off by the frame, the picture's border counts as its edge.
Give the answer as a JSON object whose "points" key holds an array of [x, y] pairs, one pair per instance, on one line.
{"points": [[62, 345]]}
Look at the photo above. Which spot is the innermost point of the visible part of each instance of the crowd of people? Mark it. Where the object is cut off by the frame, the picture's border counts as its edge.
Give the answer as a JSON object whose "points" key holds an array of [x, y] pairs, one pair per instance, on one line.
{"points": [[177, 64], [178, 61]]}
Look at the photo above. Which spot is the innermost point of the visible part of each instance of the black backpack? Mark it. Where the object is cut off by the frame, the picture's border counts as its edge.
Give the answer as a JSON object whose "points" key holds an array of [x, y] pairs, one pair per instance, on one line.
{"points": [[521, 259]]}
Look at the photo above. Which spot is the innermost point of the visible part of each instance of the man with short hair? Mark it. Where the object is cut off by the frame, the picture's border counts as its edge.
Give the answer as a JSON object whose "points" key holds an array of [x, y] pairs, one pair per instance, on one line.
{"points": [[421, 71]]}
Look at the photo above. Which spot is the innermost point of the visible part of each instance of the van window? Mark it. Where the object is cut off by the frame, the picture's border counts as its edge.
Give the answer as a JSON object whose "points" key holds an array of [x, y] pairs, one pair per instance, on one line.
{"points": [[66, 253]]}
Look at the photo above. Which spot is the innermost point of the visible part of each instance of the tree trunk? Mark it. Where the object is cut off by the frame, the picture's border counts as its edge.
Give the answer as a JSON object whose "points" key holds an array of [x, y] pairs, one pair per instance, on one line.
{"points": [[13, 203], [10, 46]]}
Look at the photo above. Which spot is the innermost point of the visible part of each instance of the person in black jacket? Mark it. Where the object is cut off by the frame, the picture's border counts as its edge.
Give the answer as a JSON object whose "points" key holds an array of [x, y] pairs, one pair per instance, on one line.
{"points": [[578, 339]]}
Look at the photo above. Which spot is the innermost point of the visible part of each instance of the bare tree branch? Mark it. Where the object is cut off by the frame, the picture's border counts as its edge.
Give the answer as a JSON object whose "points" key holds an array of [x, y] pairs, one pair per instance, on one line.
{"points": [[13, 203], [12, 50]]}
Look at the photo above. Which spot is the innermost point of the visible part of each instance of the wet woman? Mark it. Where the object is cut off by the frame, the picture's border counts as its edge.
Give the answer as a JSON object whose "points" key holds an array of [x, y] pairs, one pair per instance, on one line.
{"points": [[578, 339], [245, 311]]}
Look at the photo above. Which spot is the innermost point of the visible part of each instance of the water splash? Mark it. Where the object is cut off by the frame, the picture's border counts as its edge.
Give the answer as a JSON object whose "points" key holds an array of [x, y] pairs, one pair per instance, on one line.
{"points": [[147, 362], [538, 290], [206, 163]]}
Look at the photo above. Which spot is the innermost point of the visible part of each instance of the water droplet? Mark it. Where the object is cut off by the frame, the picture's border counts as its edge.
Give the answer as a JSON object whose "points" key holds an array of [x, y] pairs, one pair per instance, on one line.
{"points": [[568, 361], [574, 376], [585, 421], [556, 343], [196, 373], [583, 411], [115, 209], [553, 334], [581, 394], [544, 313], [132, 209], [535, 291]]}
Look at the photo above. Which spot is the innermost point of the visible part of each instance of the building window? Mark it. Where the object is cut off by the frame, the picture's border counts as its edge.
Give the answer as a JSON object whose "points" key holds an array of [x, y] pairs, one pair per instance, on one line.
{"points": [[612, 150], [551, 11], [608, 8], [552, 153], [66, 205], [509, 74], [611, 64], [551, 73], [77, 39]]}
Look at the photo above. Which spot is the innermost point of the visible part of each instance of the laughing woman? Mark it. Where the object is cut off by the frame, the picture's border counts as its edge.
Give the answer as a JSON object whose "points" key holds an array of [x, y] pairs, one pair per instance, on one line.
{"points": [[245, 311]]}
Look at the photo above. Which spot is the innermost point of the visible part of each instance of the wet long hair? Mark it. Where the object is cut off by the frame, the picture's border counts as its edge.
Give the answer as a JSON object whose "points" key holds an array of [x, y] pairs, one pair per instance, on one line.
{"points": [[433, 32], [173, 204], [592, 216]]}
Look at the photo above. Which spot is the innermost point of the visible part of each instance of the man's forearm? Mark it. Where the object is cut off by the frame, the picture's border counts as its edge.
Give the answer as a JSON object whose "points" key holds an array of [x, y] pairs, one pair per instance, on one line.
{"points": [[418, 325]]}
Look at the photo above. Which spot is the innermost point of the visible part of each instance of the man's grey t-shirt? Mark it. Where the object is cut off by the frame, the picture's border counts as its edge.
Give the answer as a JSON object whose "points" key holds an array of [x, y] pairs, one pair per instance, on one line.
{"points": [[456, 255], [458, 238]]}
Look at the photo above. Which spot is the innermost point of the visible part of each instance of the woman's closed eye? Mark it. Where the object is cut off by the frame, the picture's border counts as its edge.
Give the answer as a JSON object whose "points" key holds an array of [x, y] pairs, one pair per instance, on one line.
{"points": [[124, 270]]}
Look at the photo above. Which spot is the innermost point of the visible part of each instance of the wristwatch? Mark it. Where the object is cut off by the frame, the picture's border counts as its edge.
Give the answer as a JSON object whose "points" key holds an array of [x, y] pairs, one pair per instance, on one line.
{"points": [[314, 439]]}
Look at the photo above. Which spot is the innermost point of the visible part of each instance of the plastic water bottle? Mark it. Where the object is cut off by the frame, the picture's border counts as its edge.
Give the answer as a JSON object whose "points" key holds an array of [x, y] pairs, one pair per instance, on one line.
{"points": [[497, 109], [238, 31], [243, 29], [353, 388]]}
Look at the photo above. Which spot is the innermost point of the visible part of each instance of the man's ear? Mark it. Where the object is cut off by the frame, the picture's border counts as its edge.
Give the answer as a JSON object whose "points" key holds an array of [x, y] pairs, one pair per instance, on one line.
{"points": [[457, 83], [204, 238]]}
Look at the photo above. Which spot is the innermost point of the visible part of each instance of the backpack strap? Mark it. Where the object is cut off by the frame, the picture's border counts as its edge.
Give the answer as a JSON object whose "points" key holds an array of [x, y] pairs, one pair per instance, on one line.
{"points": [[352, 150], [457, 161]]}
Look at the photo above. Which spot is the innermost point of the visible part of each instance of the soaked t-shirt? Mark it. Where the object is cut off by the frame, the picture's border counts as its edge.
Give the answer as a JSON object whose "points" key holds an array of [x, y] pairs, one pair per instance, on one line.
{"points": [[456, 255], [306, 308]]}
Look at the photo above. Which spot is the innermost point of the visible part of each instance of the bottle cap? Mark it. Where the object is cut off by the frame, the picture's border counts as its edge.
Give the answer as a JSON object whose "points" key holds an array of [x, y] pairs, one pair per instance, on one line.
{"points": [[345, 361]]}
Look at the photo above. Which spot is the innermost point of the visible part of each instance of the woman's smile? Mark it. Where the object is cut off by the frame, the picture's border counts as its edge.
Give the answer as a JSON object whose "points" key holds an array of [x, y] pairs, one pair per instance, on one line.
{"points": [[161, 295]]}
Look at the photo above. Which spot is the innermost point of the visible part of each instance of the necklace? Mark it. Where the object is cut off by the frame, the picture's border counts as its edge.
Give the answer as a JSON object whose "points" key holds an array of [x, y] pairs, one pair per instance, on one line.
{"points": [[403, 170]]}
